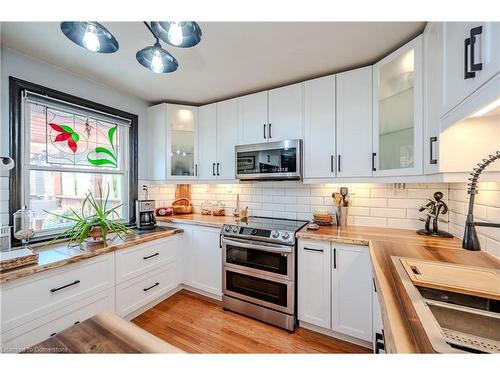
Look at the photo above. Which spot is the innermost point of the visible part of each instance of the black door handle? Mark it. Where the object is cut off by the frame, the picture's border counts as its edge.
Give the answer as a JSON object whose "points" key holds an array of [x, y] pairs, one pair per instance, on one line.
{"points": [[196, 169], [473, 33], [331, 163], [151, 287], [218, 169], [270, 134], [213, 169], [151, 256], [467, 74], [334, 258], [312, 249], [264, 131], [65, 286], [431, 156], [338, 164], [374, 154]]}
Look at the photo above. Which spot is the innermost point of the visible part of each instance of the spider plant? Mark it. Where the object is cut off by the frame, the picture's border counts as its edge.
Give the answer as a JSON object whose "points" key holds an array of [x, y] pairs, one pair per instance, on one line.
{"points": [[101, 217]]}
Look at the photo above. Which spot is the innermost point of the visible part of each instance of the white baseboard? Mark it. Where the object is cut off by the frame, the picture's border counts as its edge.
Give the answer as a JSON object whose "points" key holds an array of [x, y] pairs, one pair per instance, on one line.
{"points": [[340, 336], [217, 297]]}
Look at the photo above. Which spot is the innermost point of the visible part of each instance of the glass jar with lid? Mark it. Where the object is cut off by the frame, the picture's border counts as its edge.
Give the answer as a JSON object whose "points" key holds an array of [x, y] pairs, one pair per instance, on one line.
{"points": [[206, 208], [219, 209], [24, 228]]}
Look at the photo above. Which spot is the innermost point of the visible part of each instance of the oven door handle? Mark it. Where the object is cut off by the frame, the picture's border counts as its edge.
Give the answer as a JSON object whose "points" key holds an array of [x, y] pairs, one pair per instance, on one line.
{"points": [[280, 249]]}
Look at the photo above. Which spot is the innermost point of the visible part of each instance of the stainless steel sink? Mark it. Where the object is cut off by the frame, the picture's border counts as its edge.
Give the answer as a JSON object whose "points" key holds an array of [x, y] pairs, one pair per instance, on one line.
{"points": [[454, 322]]}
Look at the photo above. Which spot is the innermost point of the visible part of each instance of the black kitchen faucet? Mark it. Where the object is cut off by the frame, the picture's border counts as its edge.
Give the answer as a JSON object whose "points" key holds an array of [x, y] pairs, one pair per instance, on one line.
{"points": [[470, 240]]}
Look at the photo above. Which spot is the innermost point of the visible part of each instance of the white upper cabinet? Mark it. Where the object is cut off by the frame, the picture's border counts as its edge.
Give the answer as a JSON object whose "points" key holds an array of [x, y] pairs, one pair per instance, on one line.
{"points": [[354, 123], [286, 112], [253, 118], [207, 142], [319, 127], [433, 88], [227, 138], [157, 137], [182, 142], [397, 112], [470, 58], [352, 291]]}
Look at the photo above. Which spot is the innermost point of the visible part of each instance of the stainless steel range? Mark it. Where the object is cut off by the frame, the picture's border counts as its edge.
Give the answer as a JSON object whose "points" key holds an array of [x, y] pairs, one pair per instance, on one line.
{"points": [[259, 269]]}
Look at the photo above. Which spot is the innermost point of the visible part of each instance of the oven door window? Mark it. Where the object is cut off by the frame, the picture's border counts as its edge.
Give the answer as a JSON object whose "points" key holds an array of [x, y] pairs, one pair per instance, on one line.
{"points": [[268, 161], [261, 289], [262, 260]]}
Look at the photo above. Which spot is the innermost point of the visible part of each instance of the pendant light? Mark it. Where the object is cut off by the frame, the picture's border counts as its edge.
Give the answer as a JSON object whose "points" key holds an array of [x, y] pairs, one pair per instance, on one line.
{"points": [[182, 34], [155, 58], [90, 35]]}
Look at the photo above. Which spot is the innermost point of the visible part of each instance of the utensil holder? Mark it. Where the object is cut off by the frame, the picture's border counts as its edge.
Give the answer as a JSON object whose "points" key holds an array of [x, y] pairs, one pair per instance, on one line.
{"points": [[341, 216]]}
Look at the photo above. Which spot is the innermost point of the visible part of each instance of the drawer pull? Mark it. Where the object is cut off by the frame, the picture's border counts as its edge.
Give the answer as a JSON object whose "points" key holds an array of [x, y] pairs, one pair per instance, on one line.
{"points": [[151, 287], [151, 256], [312, 249], [65, 286], [52, 334], [77, 322]]}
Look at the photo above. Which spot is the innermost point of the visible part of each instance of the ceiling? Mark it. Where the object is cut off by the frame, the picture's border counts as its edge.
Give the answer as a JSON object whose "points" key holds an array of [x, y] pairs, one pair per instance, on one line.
{"points": [[233, 58]]}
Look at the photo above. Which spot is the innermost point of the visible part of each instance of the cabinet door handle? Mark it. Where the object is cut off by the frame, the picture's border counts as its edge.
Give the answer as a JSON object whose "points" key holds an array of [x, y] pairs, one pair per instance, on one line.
{"points": [[264, 131], [196, 170], [151, 256], [374, 154], [270, 134], [374, 286], [338, 164], [52, 334], [334, 258], [467, 74], [331, 163], [432, 140], [213, 169], [379, 342], [65, 286], [151, 287], [218, 169], [473, 33], [312, 249]]}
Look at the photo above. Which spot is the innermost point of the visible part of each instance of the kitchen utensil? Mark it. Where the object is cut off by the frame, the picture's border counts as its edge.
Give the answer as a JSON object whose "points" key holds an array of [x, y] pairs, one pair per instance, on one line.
{"points": [[344, 192], [337, 199], [236, 212]]}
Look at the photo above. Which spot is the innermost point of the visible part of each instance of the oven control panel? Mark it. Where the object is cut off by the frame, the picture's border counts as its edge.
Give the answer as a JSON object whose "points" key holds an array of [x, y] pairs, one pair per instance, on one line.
{"points": [[282, 236]]}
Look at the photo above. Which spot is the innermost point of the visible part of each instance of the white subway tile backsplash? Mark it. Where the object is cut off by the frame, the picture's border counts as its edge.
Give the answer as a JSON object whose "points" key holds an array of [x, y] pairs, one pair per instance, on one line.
{"points": [[380, 205]]}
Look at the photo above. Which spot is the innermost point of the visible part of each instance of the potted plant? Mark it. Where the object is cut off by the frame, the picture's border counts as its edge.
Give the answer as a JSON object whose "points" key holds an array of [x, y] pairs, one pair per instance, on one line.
{"points": [[95, 220]]}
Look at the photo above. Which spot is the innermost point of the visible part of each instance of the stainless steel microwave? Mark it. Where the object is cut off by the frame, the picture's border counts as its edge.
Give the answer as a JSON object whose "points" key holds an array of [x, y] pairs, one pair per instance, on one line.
{"points": [[280, 160]]}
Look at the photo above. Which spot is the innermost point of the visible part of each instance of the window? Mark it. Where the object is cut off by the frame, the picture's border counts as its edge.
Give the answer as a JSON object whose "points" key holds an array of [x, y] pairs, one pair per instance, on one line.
{"points": [[68, 150]]}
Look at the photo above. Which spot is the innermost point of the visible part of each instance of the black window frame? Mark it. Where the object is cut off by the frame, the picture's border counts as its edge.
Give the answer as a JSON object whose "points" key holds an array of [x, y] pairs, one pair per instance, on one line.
{"points": [[16, 88]]}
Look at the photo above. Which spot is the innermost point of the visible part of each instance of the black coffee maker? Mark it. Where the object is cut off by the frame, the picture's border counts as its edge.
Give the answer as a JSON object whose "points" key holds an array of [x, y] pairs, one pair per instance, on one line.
{"points": [[145, 214]]}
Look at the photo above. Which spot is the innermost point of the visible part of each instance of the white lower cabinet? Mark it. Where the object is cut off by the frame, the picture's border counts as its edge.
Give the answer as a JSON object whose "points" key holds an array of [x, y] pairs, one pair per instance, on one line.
{"points": [[135, 293], [335, 288], [352, 291], [314, 290], [204, 260], [43, 328]]}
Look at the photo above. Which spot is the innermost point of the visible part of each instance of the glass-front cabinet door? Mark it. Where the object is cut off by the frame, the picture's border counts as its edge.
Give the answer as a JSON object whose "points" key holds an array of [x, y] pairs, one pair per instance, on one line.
{"points": [[182, 142], [397, 112]]}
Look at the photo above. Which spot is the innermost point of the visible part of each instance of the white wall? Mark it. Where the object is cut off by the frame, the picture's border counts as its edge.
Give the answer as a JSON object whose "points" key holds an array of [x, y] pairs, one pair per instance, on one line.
{"points": [[21, 66]]}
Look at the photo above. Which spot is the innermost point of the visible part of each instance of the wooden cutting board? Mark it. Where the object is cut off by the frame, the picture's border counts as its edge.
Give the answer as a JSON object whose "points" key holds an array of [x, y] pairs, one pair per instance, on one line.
{"points": [[475, 281]]}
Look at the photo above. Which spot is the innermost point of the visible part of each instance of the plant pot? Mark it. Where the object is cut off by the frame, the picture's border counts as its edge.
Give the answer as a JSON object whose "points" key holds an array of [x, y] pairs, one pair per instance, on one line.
{"points": [[96, 233]]}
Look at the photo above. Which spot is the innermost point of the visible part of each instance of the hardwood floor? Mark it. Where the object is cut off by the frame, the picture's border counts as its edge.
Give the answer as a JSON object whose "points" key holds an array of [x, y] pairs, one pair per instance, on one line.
{"points": [[197, 324]]}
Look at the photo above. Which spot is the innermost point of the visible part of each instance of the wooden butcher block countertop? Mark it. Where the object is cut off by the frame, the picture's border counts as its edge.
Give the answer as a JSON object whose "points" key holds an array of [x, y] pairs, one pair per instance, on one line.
{"points": [[402, 328], [59, 254], [104, 333]]}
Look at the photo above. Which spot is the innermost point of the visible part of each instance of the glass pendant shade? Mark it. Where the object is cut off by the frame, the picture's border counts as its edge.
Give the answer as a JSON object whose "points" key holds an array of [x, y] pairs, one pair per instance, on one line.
{"points": [[157, 59], [182, 34], [90, 35]]}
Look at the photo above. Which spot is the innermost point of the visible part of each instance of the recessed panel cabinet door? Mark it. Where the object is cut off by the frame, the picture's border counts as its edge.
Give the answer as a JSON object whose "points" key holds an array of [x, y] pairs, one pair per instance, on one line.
{"points": [[207, 142], [286, 112], [227, 138], [352, 291], [205, 260], [319, 127], [354, 123], [253, 118], [485, 43], [314, 291]]}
